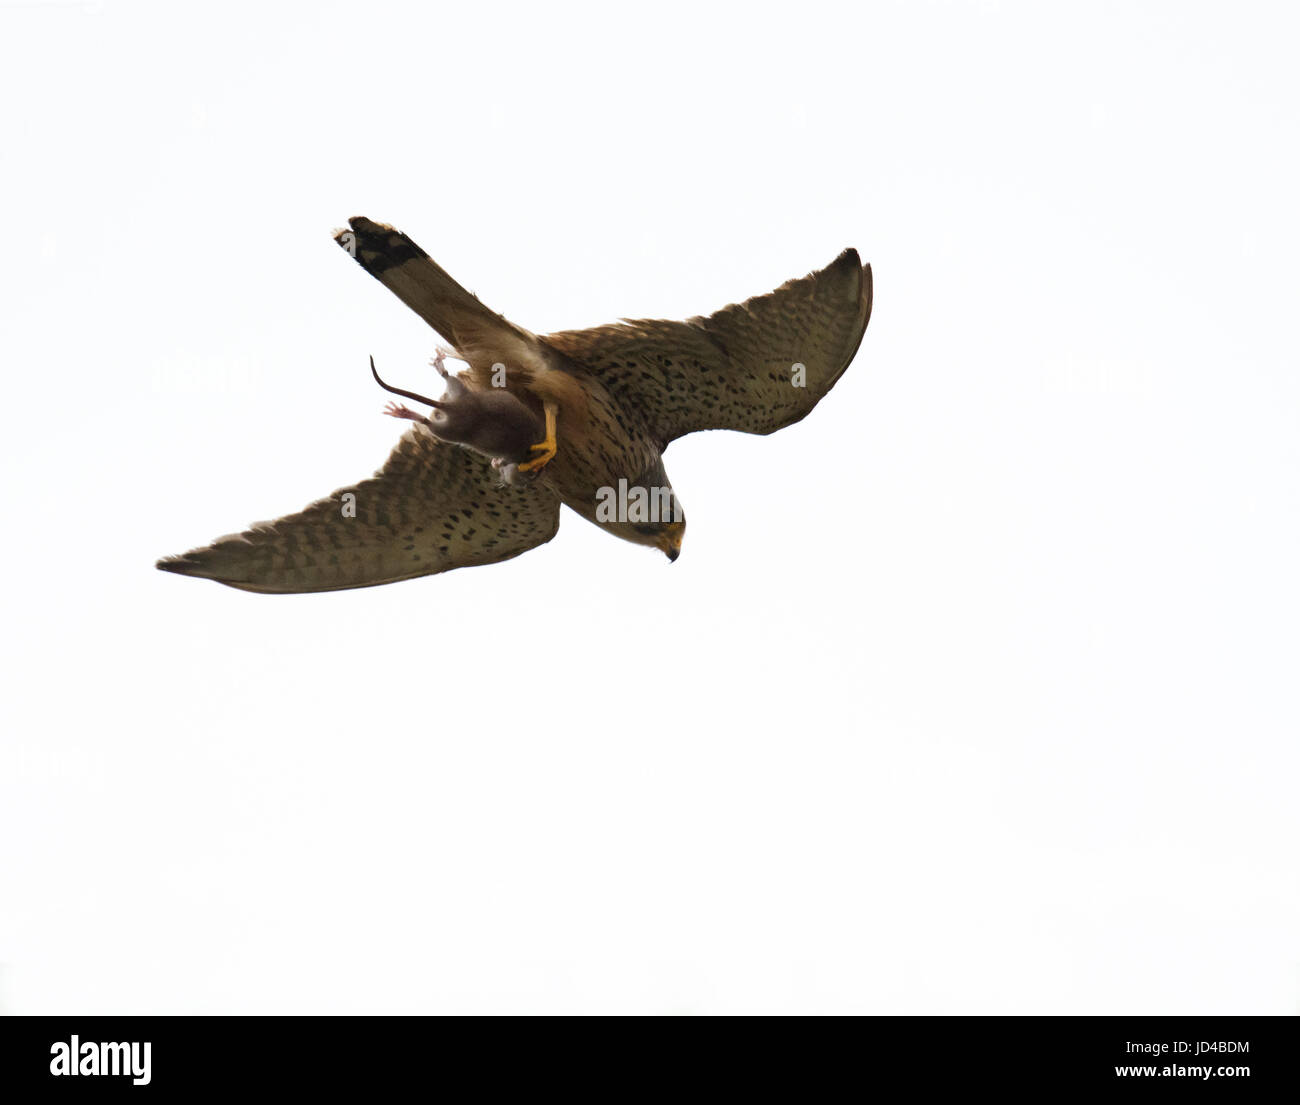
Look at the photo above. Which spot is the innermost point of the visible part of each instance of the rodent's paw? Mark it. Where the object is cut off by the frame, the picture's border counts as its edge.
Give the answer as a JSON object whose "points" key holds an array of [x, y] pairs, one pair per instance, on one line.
{"points": [[510, 474]]}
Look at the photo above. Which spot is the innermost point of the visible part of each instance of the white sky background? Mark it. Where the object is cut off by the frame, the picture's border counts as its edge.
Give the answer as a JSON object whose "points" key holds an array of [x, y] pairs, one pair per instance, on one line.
{"points": [[972, 693]]}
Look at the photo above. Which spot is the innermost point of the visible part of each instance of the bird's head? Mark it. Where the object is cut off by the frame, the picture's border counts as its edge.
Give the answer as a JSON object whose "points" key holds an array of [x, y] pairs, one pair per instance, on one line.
{"points": [[644, 511], [668, 538]]}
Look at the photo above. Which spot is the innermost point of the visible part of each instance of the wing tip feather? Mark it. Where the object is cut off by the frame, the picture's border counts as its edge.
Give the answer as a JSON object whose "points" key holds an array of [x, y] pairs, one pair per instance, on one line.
{"points": [[182, 565]]}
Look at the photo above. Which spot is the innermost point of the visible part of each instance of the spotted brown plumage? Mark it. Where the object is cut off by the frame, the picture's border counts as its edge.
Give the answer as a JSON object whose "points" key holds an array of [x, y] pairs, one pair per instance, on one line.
{"points": [[733, 370], [430, 508], [612, 398]]}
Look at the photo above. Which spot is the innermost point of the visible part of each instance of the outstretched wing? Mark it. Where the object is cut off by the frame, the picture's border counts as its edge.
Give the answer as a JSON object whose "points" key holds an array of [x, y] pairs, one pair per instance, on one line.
{"points": [[430, 508], [737, 369]]}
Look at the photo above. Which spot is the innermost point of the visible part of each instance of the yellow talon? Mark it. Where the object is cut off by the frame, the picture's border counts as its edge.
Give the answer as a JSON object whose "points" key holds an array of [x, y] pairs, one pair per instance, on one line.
{"points": [[546, 448]]}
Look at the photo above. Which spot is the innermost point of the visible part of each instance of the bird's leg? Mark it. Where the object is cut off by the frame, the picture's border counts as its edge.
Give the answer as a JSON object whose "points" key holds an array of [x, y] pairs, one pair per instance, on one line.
{"points": [[544, 449]]}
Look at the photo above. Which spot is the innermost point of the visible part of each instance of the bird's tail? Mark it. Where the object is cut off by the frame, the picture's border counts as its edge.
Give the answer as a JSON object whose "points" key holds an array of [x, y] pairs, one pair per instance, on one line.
{"points": [[423, 285]]}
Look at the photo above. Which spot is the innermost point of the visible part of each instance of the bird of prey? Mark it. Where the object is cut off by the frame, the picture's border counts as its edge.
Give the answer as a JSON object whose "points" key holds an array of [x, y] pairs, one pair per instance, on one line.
{"points": [[580, 417]]}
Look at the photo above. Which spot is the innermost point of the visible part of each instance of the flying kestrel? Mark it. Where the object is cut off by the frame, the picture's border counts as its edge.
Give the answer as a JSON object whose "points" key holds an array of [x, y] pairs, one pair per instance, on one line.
{"points": [[581, 417]]}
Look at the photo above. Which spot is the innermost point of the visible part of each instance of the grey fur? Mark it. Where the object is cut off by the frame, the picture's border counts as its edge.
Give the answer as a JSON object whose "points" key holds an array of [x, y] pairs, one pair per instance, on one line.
{"points": [[496, 423]]}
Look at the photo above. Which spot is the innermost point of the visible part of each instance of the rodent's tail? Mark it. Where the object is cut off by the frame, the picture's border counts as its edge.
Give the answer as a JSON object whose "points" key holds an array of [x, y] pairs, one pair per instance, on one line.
{"points": [[398, 391]]}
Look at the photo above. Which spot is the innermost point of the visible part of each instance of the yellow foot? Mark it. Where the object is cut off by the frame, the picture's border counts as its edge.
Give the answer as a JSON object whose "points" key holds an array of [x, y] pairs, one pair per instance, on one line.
{"points": [[544, 449]]}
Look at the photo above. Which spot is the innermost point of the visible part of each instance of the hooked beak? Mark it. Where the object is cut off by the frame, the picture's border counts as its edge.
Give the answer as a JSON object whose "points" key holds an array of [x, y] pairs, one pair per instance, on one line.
{"points": [[670, 540]]}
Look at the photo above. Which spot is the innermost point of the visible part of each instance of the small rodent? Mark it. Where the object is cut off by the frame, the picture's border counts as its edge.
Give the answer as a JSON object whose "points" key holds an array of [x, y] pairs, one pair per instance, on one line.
{"points": [[496, 423]]}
